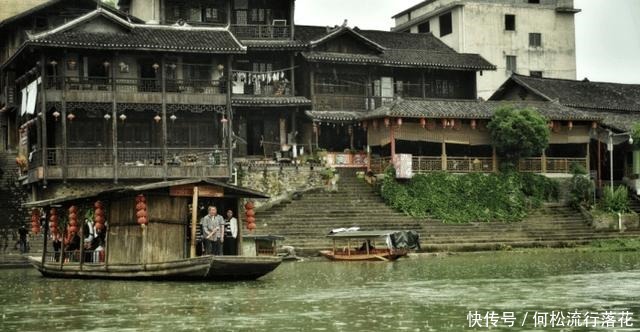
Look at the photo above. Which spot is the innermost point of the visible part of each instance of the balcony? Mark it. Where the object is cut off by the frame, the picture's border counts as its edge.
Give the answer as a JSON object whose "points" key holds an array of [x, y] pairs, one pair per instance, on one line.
{"points": [[429, 164], [261, 32], [132, 163], [137, 90], [262, 84]]}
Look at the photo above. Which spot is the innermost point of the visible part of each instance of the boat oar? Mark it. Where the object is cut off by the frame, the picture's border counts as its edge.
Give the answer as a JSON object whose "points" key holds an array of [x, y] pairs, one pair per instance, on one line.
{"points": [[381, 258]]}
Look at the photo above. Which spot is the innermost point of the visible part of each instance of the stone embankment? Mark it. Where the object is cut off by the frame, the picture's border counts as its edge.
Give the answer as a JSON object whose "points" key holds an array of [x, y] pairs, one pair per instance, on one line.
{"points": [[306, 221]]}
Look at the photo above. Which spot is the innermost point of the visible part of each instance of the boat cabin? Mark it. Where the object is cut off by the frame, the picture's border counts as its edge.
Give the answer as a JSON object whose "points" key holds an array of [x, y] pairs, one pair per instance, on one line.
{"points": [[144, 231], [371, 245]]}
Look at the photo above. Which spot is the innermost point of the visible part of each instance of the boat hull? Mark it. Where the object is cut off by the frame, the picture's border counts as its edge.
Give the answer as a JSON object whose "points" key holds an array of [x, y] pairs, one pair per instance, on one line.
{"points": [[205, 268], [362, 257]]}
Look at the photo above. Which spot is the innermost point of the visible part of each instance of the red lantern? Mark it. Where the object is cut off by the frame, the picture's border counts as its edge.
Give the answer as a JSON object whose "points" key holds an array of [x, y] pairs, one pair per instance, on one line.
{"points": [[423, 122], [98, 219], [249, 205], [141, 214], [73, 229], [251, 220], [474, 124], [387, 121], [251, 227], [143, 221], [99, 226], [594, 125], [140, 199], [73, 209], [251, 213], [53, 218], [399, 122], [141, 206], [97, 205], [570, 125]]}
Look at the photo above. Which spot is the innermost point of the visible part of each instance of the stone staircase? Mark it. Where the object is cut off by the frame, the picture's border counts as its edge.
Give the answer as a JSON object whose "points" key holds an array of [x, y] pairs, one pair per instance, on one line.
{"points": [[305, 222]]}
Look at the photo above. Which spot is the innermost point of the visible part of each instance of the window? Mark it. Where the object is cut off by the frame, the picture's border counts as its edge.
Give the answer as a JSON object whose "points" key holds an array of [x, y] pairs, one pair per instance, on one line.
{"points": [[446, 24], [534, 1], [510, 22], [535, 73], [424, 27], [511, 63], [535, 40]]}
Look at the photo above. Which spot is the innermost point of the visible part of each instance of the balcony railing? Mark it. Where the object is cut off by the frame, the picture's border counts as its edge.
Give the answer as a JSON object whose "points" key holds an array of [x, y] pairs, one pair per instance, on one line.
{"points": [[347, 159], [265, 84], [350, 102], [428, 164], [260, 31], [96, 157], [135, 85]]}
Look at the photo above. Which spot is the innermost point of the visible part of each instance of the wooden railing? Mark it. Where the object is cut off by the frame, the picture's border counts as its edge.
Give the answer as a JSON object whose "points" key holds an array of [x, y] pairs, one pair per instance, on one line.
{"points": [[261, 31], [135, 85], [95, 157], [347, 159], [341, 102], [550, 165], [266, 84], [428, 164]]}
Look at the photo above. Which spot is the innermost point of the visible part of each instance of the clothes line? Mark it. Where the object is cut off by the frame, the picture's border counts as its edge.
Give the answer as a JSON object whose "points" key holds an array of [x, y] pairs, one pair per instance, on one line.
{"points": [[265, 72]]}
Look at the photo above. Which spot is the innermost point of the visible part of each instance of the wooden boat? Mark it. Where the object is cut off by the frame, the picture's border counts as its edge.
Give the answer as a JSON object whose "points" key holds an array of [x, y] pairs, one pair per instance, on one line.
{"points": [[376, 246], [159, 244], [205, 268]]}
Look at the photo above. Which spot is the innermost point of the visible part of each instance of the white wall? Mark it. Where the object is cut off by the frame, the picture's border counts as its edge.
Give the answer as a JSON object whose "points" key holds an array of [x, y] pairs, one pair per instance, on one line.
{"points": [[148, 10], [478, 27]]}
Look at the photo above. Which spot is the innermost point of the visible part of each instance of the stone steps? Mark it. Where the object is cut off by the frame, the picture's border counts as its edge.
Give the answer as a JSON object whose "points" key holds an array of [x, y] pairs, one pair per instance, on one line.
{"points": [[306, 221]]}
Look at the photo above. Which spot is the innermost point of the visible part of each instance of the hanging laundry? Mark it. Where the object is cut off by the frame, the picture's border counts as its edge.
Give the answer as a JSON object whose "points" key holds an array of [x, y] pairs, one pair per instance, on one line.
{"points": [[32, 94], [23, 107]]}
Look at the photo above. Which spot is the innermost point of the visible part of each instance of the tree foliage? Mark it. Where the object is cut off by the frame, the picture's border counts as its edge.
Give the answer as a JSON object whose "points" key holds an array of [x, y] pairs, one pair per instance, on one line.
{"points": [[518, 133]]}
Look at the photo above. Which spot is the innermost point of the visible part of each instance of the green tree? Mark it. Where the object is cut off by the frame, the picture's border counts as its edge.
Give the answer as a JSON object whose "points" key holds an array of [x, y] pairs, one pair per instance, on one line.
{"points": [[518, 133]]}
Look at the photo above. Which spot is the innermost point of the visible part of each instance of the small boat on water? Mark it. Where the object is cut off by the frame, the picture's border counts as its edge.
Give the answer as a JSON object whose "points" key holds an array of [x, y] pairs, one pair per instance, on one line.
{"points": [[150, 234], [371, 245]]}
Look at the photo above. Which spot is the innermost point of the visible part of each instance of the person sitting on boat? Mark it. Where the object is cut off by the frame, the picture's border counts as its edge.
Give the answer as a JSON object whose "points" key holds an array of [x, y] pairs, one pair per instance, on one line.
{"points": [[366, 244], [213, 232]]}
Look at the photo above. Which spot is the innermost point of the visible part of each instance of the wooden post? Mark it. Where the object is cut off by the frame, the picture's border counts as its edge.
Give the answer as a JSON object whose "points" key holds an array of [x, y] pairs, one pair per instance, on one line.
{"points": [[367, 246], [544, 161], [599, 164], [292, 64], [392, 141], [348, 247], [238, 216], [229, 112], [44, 247], [62, 249], [495, 160], [334, 246], [163, 73], [588, 163], [65, 144], [291, 20], [43, 112], [81, 232], [194, 221], [444, 154], [114, 120]]}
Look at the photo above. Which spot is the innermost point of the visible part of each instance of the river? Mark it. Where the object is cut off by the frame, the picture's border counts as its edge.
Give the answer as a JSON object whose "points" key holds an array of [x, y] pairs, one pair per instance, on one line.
{"points": [[444, 293]]}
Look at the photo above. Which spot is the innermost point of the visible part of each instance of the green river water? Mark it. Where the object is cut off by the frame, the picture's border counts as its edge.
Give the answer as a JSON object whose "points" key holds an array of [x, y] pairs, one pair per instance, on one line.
{"points": [[446, 293]]}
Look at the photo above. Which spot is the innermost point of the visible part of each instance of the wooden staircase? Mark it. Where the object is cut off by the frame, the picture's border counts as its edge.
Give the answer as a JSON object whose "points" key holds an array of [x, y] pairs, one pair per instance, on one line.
{"points": [[305, 222]]}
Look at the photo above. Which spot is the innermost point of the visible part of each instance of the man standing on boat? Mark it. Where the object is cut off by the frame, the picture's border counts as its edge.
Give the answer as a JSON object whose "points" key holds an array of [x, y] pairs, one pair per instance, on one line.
{"points": [[212, 231]]}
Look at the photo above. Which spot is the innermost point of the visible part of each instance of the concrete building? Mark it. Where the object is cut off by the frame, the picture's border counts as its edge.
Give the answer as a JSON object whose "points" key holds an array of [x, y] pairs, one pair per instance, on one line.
{"points": [[527, 37]]}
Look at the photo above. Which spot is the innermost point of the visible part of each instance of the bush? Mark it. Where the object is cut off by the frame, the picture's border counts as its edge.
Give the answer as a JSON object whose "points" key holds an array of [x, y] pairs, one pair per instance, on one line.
{"points": [[467, 198], [582, 188], [518, 133], [616, 200]]}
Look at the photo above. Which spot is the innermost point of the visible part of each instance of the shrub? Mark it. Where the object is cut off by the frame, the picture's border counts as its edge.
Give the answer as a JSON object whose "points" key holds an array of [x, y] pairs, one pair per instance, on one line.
{"points": [[582, 188], [616, 200], [467, 198], [518, 133]]}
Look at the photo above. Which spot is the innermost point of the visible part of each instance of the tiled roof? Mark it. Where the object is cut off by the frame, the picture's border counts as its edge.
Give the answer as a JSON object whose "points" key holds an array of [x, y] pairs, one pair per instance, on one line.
{"points": [[401, 49], [332, 116], [269, 101], [620, 121], [275, 44], [474, 109], [580, 94], [148, 38]]}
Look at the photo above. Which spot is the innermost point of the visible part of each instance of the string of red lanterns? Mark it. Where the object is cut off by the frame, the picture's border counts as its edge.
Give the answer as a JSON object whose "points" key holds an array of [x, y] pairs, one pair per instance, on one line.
{"points": [[250, 216], [35, 221], [141, 210]]}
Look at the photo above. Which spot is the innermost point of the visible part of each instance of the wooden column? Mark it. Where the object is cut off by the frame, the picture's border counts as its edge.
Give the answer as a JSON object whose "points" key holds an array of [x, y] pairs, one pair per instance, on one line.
{"points": [[239, 217], [114, 120], [43, 112], [194, 221], [229, 112], [81, 234], [65, 142], [543, 160], [163, 80], [292, 64], [599, 182], [444, 154], [312, 85], [588, 163], [392, 141], [46, 234]]}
